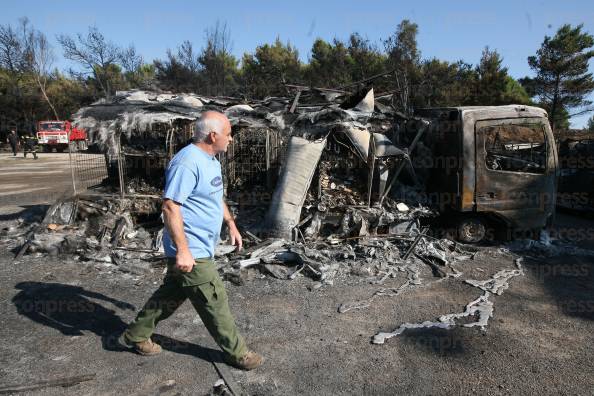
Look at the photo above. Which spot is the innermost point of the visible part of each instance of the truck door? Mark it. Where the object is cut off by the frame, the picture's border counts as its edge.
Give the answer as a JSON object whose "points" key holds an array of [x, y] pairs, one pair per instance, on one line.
{"points": [[515, 177]]}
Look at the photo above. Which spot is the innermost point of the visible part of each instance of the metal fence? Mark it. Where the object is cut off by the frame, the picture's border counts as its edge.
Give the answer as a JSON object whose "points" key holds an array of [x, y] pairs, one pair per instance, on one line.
{"points": [[253, 160], [88, 170]]}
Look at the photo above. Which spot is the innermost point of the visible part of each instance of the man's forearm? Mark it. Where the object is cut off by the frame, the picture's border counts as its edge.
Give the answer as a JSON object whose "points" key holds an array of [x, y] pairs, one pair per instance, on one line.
{"points": [[234, 235], [227, 216], [175, 225]]}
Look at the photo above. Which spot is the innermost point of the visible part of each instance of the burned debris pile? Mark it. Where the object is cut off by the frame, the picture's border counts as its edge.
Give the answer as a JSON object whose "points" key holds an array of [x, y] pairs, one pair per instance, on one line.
{"points": [[123, 234], [328, 215]]}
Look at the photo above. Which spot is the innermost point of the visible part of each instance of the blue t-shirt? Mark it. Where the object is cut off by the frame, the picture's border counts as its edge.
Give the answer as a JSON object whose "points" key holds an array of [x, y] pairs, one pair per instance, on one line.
{"points": [[193, 179]]}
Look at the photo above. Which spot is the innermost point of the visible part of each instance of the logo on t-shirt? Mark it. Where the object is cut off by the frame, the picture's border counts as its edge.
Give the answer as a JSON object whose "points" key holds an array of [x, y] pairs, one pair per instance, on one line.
{"points": [[217, 181]]}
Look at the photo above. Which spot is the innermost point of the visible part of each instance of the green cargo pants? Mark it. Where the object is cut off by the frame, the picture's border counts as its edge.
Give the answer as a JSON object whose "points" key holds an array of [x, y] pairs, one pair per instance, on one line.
{"points": [[205, 289]]}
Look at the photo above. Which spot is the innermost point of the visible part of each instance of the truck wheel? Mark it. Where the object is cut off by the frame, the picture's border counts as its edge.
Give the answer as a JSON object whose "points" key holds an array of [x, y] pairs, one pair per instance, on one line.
{"points": [[46, 149], [471, 230]]}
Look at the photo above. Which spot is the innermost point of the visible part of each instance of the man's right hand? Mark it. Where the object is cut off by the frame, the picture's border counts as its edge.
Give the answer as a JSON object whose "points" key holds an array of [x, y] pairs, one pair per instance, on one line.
{"points": [[184, 261]]}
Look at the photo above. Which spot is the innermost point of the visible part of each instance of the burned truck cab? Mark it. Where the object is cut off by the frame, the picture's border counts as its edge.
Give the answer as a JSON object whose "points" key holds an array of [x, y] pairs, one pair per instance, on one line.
{"points": [[491, 166]]}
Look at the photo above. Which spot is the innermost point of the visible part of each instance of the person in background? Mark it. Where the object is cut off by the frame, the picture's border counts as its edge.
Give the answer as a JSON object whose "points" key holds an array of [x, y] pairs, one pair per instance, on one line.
{"points": [[13, 140], [30, 145]]}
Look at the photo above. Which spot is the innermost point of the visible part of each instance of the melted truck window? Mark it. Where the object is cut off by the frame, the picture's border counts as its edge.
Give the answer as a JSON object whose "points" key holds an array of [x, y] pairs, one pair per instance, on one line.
{"points": [[515, 148]]}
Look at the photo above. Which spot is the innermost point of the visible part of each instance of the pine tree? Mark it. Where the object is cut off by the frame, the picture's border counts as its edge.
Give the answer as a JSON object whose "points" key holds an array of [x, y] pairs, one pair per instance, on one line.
{"points": [[405, 58], [590, 125], [271, 66], [562, 79]]}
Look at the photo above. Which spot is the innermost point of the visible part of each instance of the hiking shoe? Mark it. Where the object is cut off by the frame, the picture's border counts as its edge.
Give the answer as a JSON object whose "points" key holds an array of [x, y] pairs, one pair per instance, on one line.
{"points": [[249, 361], [144, 348]]}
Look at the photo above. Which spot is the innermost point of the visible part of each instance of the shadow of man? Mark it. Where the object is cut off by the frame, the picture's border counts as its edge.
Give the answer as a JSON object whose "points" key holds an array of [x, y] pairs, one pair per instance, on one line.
{"points": [[70, 310]]}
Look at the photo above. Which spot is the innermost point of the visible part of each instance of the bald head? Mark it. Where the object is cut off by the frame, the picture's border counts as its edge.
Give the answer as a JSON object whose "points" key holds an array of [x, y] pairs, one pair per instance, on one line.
{"points": [[210, 121]]}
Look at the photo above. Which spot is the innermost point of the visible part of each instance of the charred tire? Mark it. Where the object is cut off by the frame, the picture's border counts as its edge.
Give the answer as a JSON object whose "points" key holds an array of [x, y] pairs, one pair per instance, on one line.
{"points": [[471, 230]]}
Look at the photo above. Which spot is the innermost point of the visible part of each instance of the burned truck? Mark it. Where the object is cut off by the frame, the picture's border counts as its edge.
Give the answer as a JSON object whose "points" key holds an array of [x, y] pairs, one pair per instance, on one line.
{"points": [[489, 168], [485, 170]]}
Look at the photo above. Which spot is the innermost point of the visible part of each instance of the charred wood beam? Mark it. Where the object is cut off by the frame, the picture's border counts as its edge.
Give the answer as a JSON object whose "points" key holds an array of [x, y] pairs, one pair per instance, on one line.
{"points": [[118, 232], [225, 374], [255, 238], [306, 88], [368, 79], [295, 101], [371, 157], [412, 247]]}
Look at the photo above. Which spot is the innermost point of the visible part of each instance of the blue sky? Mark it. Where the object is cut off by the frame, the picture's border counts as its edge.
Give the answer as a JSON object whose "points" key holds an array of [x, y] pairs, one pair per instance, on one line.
{"points": [[448, 30]]}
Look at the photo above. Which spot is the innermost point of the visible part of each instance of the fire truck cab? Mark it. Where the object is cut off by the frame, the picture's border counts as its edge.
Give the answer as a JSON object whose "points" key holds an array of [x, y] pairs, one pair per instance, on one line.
{"points": [[59, 134]]}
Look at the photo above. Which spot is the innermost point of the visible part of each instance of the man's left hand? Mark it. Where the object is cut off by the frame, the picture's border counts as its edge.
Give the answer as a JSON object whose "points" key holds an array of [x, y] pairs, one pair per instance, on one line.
{"points": [[235, 236]]}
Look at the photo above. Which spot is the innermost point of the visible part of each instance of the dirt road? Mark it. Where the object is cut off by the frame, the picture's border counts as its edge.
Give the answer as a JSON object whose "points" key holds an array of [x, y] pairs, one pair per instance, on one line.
{"points": [[28, 181], [60, 318]]}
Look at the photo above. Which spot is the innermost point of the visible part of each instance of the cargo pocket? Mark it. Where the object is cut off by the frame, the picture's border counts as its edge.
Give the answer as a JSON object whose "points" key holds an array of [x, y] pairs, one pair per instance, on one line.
{"points": [[204, 271], [207, 292]]}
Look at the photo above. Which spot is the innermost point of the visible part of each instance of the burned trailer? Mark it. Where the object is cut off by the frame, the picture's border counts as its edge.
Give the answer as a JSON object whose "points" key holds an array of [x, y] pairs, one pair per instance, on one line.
{"points": [[140, 131], [488, 166]]}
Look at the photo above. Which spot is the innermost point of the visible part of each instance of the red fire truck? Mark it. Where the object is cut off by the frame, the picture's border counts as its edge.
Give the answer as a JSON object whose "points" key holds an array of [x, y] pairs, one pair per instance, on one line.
{"points": [[58, 134]]}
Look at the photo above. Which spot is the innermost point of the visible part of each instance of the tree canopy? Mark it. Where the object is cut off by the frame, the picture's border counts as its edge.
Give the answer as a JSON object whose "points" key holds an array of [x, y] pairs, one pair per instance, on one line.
{"points": [[32, 89], [562, 80]]}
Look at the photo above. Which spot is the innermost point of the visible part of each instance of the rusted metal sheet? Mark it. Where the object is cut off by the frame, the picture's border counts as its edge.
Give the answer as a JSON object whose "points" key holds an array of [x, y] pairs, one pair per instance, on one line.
{"points": [[301, 162]]}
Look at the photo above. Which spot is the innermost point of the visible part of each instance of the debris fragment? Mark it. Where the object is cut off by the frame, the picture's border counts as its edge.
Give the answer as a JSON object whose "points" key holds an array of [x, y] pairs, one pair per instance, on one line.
{"points": [[289, 195], [223, 249], [220, 388], [481, 307], [500, 281], [345, 307], [402, 207]]}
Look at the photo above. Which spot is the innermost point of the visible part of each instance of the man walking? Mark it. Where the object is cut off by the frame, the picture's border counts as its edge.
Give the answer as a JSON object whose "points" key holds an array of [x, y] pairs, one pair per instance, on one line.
{"points": [[193, 211], [13, 140]]}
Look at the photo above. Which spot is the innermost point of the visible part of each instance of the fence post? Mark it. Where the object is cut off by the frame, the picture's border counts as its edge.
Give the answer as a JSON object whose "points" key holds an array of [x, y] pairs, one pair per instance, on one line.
{"points": [[268, 149], [72, 175], [120, 167], [371, 165]]}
